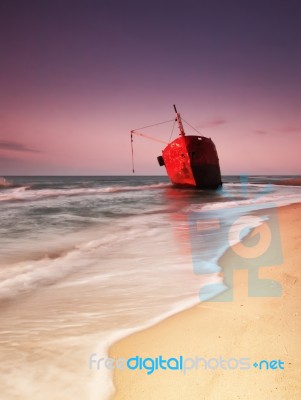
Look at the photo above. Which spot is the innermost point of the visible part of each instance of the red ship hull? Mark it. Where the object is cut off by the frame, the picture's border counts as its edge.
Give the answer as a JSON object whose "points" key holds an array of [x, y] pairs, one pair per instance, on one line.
{"points": [[192, 161]]}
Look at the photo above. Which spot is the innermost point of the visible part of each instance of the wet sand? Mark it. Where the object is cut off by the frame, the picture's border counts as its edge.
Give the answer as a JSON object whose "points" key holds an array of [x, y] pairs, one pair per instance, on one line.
{"points": [[248, 327]]}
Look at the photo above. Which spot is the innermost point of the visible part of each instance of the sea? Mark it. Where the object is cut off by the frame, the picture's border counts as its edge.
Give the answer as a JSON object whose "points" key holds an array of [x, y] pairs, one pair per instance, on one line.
{"points": [[86, 261]]}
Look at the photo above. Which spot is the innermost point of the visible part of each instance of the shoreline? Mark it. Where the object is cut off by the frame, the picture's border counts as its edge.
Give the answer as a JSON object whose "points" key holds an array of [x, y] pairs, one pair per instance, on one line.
{"points": [[201, 324]]}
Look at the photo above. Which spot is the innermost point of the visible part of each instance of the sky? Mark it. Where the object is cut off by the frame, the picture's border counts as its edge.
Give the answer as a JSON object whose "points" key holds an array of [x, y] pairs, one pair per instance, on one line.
{"points": [[77, 76]]}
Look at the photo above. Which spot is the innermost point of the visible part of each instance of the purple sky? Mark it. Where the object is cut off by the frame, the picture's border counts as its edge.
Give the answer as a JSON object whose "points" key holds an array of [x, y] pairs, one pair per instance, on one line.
{"points": [[77, 76]]}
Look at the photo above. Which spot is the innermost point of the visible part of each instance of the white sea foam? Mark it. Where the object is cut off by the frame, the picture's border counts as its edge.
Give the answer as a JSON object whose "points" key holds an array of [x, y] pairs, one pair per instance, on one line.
{"points": [[101, 385], [32, 274], [26, 193], [4, 182], [271, 200]]}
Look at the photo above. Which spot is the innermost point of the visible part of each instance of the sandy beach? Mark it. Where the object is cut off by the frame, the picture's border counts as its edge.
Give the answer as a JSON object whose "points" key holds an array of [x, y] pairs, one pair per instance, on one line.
{"points": [[257, 328]]}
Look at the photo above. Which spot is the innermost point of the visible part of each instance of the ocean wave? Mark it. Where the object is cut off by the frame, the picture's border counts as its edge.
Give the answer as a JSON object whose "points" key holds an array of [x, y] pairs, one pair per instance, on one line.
{"points": [[26, 193], [294, 182], [288, 182], [271, 200], [54, 261], [4, 182], [47, 269]]}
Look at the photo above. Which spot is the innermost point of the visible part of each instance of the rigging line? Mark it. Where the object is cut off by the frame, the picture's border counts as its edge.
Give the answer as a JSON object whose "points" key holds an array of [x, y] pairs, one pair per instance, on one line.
{"points": [[149, 126], [191, 126], [148, 137], [173, 127], [132, 153]]}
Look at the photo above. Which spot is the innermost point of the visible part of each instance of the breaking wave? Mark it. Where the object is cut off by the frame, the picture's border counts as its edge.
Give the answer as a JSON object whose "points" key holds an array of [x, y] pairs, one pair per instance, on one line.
{"points": [[4, 183], [26, 193]]}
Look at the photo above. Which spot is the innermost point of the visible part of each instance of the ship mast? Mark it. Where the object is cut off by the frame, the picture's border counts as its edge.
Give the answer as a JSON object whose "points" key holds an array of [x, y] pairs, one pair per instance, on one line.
{"points": [[178, 119]]}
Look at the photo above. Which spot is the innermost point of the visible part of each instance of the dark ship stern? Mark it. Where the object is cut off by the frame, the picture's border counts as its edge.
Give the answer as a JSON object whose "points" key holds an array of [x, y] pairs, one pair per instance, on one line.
{"points": [[204, 162]]}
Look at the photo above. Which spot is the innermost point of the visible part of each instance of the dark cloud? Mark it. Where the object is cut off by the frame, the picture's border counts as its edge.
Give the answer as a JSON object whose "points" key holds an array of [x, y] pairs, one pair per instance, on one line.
{"points": [[260, 132], [16, 146], [212, 123], [289, 129]]}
